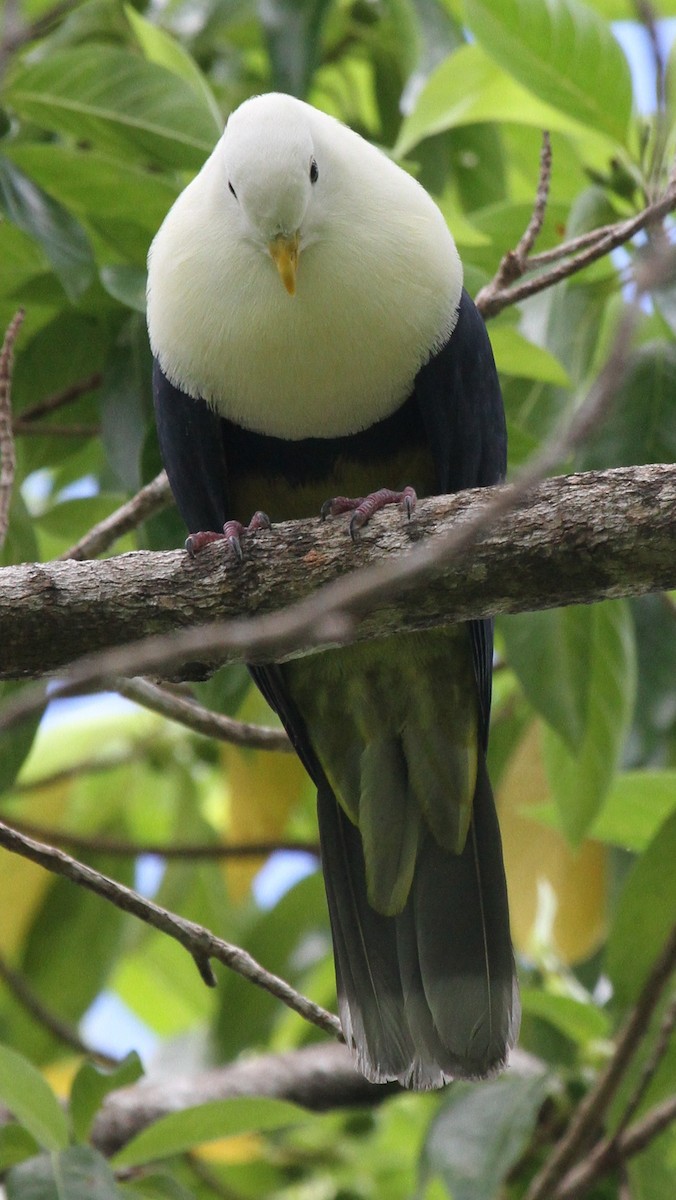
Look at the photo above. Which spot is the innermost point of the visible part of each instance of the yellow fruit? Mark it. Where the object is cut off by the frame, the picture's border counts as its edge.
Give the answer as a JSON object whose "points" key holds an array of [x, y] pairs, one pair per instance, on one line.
{"points": [[262, 786], [542, 867]]}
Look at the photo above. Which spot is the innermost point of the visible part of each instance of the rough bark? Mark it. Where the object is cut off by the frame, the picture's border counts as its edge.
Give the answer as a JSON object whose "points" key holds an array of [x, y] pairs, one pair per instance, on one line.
{"points": [[576, 539]]}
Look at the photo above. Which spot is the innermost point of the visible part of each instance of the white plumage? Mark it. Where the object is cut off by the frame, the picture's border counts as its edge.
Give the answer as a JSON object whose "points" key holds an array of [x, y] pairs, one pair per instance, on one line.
{"points": [[379, 277]]}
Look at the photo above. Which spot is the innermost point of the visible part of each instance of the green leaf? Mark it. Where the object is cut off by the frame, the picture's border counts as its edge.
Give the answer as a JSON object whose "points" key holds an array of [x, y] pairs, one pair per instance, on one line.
{"points": [[645, 916], [158, 47], [643, 424], [204, 1123], [468, 88], [118, 101], [637, 804], [293, 30], [16, 1144], [579, 781], [15, 744], [651, 1173], [516, 355], [123, 419], [26, 1094], [57, 232], [480, 1132], [581, 1022], [99, 185], [79, 1173], [273, 938], [91, 1085], [551, 652], [126, 284], [87, 932], [563, 52]]}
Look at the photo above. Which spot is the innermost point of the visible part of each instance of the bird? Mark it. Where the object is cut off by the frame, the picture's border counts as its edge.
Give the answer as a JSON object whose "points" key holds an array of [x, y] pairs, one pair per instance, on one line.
{"points": [[315, 350]]}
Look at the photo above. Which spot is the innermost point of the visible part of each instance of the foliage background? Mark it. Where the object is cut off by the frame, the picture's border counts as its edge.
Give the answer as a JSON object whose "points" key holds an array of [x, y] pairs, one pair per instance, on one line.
{"points": [[108, 110]]}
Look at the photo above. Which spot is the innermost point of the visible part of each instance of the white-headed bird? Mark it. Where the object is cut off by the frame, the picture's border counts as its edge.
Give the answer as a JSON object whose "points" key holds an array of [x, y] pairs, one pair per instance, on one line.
{"points": [[313, 342]]}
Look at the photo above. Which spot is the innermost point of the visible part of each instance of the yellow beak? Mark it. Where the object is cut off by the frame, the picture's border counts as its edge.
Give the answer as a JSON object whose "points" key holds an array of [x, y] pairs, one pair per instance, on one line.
{"points": [[285, 251]]}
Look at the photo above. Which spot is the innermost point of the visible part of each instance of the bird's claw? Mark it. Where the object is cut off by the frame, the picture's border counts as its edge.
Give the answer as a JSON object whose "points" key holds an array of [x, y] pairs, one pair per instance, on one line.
{"points": [[363, 507], [232, 533]]}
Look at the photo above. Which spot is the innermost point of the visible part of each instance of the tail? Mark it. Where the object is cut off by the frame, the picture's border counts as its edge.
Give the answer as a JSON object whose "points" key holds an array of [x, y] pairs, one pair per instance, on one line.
{"points": [[429, 994]]}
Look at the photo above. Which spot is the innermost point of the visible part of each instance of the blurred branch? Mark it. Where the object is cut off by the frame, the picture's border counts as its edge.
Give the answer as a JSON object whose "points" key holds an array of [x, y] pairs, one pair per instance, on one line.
{"points": [[28, 429], [42, 1015], [610, 1154], [320, 1078], [150, 500], [16, 34], [59, 399], [201, 720], [588, 1117], [7, 452], [129, 849], [200, 943], [649, 1069]]}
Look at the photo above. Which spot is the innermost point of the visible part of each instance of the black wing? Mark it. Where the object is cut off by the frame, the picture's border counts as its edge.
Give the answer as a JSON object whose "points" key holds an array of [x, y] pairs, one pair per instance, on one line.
{"points": [[458, 393]]}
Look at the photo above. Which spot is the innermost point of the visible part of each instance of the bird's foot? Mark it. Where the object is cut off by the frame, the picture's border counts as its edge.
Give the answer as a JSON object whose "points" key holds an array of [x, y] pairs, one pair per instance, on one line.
{"points": [[232, 533], [363, 507]]}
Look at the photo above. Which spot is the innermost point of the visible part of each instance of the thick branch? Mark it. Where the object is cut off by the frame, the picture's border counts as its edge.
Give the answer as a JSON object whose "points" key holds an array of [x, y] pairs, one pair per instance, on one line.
{"points": [[574, 539], [319, 1077]]}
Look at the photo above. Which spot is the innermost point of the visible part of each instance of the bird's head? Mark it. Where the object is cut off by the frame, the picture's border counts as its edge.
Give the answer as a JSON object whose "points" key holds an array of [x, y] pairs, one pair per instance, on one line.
{"points": [[271, 171]]}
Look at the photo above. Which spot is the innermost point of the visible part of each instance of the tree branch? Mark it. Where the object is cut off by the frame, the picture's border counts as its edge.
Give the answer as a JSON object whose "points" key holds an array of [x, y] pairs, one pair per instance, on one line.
{"points": [[186, 851], [200, 943], [319, 1077], [590, 1112], [43, 1015], [611, 1153], [201, 720], [572, 539], [578, 253], [7, 451], [151, 499]]}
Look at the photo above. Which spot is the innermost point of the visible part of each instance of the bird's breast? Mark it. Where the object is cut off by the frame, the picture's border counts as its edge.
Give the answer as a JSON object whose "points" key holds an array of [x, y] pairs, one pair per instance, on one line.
{"points": [[333, 359]]}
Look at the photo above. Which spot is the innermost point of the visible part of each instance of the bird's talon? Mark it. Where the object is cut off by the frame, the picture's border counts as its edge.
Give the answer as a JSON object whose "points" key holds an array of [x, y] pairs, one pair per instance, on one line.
{"points": [[236, 547]]}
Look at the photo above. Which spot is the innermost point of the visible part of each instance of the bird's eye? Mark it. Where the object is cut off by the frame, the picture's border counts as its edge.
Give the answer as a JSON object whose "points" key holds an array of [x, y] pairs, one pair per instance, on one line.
{"points": [[314, 171], [232, 189]]}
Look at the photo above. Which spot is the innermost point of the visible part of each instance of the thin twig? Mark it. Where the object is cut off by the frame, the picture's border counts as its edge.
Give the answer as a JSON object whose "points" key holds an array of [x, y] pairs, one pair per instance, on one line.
{"points": [[607, 1155], [200, 943], [493, 298], [201, 720], [513, 263], [590, 1112], [7, 452], [612, 1150], [59, 399], [128, 849], [150, 500], [28, 429], [649, 1068], [43, 1015]]}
